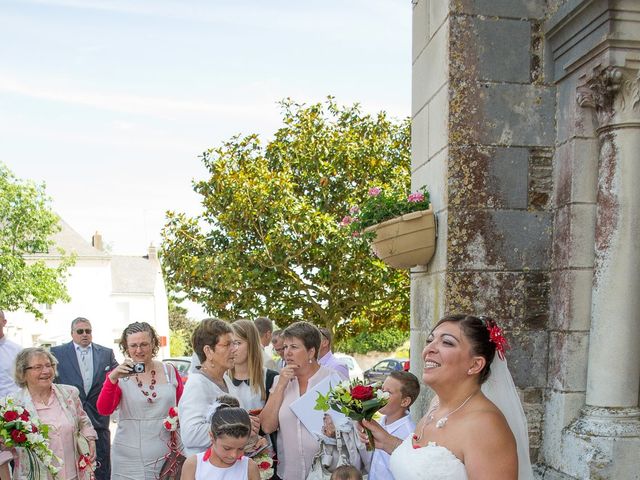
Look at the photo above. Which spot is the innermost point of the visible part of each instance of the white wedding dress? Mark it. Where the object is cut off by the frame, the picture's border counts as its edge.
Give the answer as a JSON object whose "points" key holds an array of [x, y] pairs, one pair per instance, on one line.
{"points": [[431, 462]]}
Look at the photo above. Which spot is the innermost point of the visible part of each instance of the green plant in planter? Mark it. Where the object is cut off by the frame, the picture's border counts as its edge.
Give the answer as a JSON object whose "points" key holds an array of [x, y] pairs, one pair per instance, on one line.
{"points": [[380, 206]]}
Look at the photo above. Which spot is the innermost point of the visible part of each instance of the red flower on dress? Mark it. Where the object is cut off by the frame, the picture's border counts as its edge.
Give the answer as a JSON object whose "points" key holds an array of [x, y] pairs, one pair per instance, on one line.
{"points": [[173, 412], [10, 415], [362, 392], [496, 336], [18, 436]]}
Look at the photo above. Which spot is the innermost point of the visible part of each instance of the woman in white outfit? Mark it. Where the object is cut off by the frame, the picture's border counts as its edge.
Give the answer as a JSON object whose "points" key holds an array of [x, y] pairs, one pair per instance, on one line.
{"points": [[464, 435]]}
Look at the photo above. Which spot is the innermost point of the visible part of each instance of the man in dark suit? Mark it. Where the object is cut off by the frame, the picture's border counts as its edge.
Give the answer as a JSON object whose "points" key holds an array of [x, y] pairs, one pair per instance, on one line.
{"points": [[84, 365]]}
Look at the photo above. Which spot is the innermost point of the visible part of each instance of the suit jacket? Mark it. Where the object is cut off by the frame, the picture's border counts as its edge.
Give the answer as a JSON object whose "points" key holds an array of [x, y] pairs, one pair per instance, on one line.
{"points": [[69, 374]]}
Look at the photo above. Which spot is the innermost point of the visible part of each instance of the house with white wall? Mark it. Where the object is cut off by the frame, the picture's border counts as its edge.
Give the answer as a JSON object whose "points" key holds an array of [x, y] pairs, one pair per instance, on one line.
{"points": [[112, 291]]}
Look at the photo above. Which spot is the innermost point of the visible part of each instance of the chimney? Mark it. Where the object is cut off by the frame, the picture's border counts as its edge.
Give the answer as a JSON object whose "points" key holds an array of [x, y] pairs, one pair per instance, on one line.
{"points": [[153, 252], [96, 241]]}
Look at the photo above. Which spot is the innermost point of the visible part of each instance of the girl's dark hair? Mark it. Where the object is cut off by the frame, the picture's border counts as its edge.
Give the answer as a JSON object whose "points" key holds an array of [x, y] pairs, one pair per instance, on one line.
{"points": [[346, 472], [229, 419], [305, 331], [139, 327], [208, 332], [476, 329]]}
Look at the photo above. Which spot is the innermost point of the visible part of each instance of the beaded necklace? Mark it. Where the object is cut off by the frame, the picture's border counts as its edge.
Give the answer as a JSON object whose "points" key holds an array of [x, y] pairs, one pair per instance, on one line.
{"points": [[150, 394]]}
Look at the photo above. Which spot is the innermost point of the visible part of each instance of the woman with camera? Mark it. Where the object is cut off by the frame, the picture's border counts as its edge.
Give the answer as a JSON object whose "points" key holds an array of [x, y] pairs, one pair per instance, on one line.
{"points": [[143, 389]]}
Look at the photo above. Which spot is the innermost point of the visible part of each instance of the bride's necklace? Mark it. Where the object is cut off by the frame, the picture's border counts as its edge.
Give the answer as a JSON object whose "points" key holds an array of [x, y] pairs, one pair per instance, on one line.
{"points": [[443, 420]]}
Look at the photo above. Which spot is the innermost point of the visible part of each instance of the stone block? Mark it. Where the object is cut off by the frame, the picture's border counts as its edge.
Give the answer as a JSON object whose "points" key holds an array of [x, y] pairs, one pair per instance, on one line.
{"points": [[427, 299], [430, 70], [571, 299], [438, 12], [561, 408], [568, 360], [519, 9], [528, 358], [536, 300], [488, 177], [502, 49], [516, 115], [433, 174], [500, 295], [499, 239], [576, 174], [540, 178], [420, 27], [574, 236], [419, 139], [572, 120], [438, 132]]}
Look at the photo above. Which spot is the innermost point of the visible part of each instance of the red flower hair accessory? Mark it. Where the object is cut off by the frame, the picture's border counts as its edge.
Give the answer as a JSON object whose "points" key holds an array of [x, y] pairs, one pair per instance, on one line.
{"points": [[498, 339]]}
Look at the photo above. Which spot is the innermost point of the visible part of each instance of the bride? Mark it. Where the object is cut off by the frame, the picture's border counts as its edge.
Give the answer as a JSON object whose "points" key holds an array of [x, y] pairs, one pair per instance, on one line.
{"points": [[475, 427]]}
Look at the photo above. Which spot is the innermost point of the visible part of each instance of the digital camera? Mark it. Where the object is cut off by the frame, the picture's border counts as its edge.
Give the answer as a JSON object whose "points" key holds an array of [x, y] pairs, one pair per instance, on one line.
{"points": [[138, 368]]}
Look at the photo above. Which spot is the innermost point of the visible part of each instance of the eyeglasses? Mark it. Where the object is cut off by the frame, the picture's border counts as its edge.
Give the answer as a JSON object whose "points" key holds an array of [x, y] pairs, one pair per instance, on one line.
{"points": [[82, 331], [39, 368], [236, 343], [135, 346]]}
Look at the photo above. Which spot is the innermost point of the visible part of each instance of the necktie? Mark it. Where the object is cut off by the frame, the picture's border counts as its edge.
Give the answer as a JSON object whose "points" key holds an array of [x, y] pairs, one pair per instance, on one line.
{"points": [[87, 370]]}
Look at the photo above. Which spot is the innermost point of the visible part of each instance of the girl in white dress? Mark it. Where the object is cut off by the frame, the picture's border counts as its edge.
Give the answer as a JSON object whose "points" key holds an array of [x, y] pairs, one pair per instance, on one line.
{"points": [[224, 459], [464, 434]]}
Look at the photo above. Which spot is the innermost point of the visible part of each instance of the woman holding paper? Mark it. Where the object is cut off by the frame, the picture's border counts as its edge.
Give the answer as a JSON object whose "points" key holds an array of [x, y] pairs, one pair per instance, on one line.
{"points": [[296, 445]]}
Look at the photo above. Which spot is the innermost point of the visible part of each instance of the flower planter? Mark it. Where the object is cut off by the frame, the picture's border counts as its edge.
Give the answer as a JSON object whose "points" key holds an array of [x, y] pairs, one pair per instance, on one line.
{"points": [[406, 241]]}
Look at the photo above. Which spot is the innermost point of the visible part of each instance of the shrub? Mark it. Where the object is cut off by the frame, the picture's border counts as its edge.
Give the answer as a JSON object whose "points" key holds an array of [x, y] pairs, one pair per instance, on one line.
{"points": [[384, 340]]}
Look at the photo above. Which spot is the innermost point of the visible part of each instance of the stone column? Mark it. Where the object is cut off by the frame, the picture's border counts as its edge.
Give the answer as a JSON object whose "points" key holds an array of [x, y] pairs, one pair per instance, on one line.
{"points": [[613, 377]]}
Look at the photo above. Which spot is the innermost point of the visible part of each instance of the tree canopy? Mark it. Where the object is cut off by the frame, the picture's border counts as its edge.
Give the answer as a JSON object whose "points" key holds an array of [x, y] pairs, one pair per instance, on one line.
{"points": [[269, 240], [26, 227]]}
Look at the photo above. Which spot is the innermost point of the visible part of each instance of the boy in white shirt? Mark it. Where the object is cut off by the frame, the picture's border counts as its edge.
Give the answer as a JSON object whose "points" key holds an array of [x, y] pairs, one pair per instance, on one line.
{"points": [[403, 388]]}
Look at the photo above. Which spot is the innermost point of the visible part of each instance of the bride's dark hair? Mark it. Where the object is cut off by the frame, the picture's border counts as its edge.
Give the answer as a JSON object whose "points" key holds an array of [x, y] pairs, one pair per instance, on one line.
{"points": [[476, 329]]}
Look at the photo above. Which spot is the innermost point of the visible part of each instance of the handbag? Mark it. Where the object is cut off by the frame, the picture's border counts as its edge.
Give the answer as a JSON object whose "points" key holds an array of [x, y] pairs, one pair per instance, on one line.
{"points": [[172, 466], [328, 458]]}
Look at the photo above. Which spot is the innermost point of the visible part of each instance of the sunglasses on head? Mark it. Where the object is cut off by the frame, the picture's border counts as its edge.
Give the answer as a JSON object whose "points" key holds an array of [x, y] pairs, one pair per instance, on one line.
{"points": [[82, 331]]}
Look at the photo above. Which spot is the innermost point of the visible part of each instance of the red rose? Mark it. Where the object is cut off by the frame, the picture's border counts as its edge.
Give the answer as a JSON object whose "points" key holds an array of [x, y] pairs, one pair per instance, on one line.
{"points": [[167, 425], [264, 465], [360, 392], [24, 416], [18, 436], [173, 412], [34, 429], [10, 416]]}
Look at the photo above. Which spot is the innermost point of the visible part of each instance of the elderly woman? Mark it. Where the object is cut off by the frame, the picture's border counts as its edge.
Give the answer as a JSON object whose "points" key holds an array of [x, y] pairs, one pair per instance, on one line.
{"points": [[464, 434], [296, 445], [57, 406], [143, 389], [213, 343]]}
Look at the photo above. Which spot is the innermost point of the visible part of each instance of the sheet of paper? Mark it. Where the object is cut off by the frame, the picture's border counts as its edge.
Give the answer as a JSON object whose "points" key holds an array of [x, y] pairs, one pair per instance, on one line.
{"points": [[304, 407]]}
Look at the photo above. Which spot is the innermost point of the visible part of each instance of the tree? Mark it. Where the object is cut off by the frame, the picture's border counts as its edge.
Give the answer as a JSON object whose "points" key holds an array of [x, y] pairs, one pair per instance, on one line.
{"points": [[269, 240], [181, 328], [27, 225]]}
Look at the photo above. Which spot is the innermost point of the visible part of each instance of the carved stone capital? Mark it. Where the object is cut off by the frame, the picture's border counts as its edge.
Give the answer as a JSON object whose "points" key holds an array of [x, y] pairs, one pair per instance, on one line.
{"points": [[614, 94]]}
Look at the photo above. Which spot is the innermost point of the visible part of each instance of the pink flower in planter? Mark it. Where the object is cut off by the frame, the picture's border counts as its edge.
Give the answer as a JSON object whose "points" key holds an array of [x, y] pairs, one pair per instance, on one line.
{"points": [[415, 197], [374, 191], [354, 210]]}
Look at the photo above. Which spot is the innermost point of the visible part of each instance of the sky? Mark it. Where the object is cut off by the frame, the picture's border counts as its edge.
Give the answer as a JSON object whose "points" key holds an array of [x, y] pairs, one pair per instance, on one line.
{"points": [[109, 103]]}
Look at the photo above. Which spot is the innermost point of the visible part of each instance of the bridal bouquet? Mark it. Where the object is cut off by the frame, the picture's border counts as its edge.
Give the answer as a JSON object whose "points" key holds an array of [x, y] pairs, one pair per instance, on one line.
{"points": [[18, 429], [265, 465], [356, 400]]}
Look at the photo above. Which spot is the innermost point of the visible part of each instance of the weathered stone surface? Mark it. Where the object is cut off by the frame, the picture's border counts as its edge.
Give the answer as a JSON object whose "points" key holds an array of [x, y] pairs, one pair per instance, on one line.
{"points": [[528, 358], [438, 133], [572, 121], [499, 239], [501, 8], [571, 303], [430, 70], [502, 49], [427, 299], [540, 178], [568, 356], [574, 236], [561, 409], [576, 175], [438, 12], [493, 177]]}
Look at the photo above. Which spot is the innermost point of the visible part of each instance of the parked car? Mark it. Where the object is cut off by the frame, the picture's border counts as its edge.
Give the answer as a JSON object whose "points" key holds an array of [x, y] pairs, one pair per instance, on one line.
{"points": [[380, 370], [182, 364], [354, 369]]}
